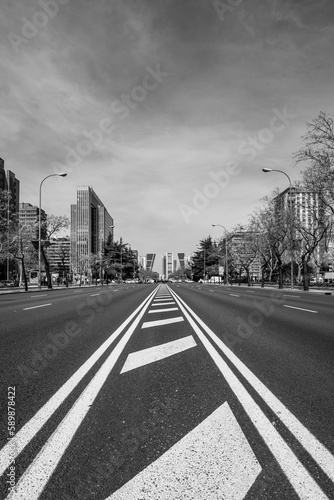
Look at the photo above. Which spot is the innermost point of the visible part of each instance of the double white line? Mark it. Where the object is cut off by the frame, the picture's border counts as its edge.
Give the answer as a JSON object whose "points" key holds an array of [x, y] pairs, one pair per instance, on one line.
{"points": [[302, 482], [39, 472]]}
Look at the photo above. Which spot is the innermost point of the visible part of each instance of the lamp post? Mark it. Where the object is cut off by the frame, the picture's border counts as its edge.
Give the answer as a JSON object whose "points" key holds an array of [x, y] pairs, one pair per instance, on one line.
{"points": [[63, 174], [266, 170], [226, 261]]}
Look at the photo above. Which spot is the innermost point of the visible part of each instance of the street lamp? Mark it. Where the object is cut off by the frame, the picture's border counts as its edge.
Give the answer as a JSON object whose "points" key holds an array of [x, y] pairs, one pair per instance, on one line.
{"points": [[266, 170], [63, 174], [226, 262]]}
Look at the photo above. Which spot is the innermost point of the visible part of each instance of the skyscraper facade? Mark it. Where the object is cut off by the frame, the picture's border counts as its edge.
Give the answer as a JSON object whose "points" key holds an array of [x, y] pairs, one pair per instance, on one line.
{"points": [[9, 182], [167, 264], [91, 225], [150, 258]]}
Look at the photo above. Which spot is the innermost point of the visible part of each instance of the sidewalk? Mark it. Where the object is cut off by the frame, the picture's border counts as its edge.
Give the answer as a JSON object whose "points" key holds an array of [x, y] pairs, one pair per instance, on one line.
{"points": [[34, 288], [323, 290]]}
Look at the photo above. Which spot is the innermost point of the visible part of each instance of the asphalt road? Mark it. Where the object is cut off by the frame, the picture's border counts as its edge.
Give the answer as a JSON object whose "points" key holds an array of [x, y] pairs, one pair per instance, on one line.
{"points": [[167, 392]]}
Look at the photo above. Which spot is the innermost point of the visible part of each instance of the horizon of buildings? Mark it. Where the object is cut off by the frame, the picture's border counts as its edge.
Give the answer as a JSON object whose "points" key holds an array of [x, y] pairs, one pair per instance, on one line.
{"points": [[91, 225]]}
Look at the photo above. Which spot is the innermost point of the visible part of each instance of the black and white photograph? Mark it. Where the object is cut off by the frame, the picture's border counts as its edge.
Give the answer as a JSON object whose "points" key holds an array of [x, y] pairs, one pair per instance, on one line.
{"points": [[167, 250]]}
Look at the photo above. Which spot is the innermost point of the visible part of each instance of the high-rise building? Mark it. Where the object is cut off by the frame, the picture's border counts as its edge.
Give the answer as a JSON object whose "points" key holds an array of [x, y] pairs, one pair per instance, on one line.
{"points": [[142, 263], [9, 182], [29, 215], [150, 258], [91, 225], [306, 211], [305, 204], [167, 264], [59, 255]]}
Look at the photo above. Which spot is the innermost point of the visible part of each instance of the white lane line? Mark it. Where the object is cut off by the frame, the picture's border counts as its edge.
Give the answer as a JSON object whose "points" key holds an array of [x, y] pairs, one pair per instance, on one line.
{"points": [[164, 310], [39, 295], [158, 352], [312, 445], [300, 309], [39, 472], [161, 322], [163, 304], [250, 291], [212, 291], [165, 298], [93, 294], [192, 468], [8, 453], [294, 296], [234, 295], [35, 307]]}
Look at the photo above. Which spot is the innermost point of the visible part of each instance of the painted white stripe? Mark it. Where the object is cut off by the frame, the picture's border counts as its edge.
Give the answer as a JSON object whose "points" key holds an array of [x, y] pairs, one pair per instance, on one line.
{"points": [[234, 295], [300, 309], [39, 472], [35, 307], [166, 298], [39, 295], [164, 310], [158, 352], [212, 461], [294, 296], [9, 452], [163, 304], [161, 322], [293, 469], [93, 294]]}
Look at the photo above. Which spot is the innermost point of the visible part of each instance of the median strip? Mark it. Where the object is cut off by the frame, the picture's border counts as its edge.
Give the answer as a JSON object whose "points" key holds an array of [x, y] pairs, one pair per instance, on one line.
{"points": [[150, 324]]}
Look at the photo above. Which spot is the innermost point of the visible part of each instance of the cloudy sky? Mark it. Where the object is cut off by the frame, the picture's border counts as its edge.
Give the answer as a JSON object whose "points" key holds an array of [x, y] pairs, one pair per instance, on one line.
{"points": [[169, 109]]}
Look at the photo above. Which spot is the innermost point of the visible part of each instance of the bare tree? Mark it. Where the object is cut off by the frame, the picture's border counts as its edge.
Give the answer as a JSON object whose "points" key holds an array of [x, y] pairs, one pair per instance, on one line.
{"points": [[317, 154]]}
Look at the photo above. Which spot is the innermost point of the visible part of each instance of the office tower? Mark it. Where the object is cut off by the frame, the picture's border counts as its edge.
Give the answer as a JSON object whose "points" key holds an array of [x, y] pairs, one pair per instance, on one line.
{"points": [[91, 225], [9, 182], [59, 255], [29, 216], [150, 258]]}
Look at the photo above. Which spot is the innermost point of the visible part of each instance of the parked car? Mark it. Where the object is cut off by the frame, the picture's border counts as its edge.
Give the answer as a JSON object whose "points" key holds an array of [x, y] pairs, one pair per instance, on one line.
{"points": [[7, 283], [316, 281]]}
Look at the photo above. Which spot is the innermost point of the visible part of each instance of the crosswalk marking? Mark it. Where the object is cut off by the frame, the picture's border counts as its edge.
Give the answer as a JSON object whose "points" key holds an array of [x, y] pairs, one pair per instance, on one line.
{"points": [[161, 322], [156, 353]]}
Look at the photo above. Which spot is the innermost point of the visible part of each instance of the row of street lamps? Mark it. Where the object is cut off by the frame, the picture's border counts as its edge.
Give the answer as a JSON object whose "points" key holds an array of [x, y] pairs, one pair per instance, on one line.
{"points": [[64, 174], [266, 170]]}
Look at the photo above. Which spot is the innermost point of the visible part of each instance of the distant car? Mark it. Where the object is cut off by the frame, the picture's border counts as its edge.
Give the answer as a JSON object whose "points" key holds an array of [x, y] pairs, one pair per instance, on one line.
{"points": [[316, 281], [7, 283]]}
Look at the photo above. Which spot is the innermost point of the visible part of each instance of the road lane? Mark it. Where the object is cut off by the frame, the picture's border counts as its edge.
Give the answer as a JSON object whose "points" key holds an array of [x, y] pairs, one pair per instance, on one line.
{"points": [[166, 390]]}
